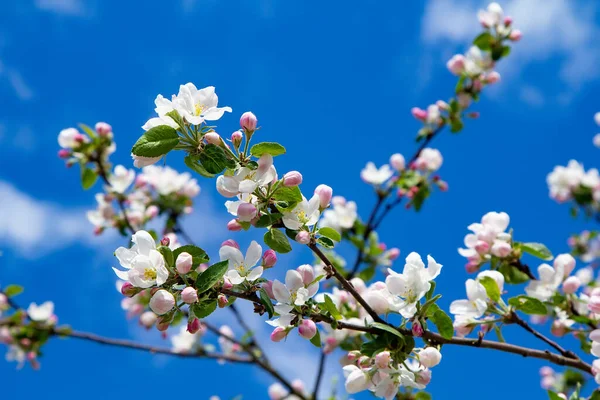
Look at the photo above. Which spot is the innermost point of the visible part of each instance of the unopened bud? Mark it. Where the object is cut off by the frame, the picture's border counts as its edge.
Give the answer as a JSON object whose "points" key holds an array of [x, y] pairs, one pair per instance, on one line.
{"points": [[165, 241], [148, 319], [103, 129], [162, 302], [571, 284], [269, 259], [222, 301], [128, 290], [419, 113], [515, 35], [236, 139], [184, 263], [417, 329], [292, 178], [456, 64], [278, 334], [325, 193], [248, 122], [193, 326], [234, 226], [397, 161], [64, 153], [303, 237], [307, 329], [189, 295], [213, 138], [246, 212], [268, 286], [382, 360]]}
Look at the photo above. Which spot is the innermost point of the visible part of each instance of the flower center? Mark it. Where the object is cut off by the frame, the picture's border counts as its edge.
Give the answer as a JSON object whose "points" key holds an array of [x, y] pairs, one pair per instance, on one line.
{"points": [[302, 216], [198, 109], [149, 274]]}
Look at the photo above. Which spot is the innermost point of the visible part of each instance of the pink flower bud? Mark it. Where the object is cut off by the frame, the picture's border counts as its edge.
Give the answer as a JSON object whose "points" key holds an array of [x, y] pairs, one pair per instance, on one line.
{"points": [[558, 329], [456, 64], [148, 319], [292, 178], [213, 138], [546, 371], [248, 122], [508, 21], [189, 295], [566, 261], [419, 113], [515, 35], [501, 248], [278, 334], [231, 243], [193, 326], [165, 241], [268, 286], [382, 360], [307, 272], [594, 304], [397, 161], [423, 377], [151, 212], [482, 247], [98, 230], [128, 290], [325, 193], [417, 329], [162, 302], [234, 226], [595, 335], [430, 357], [79, 138], [222, 301], [162, 324], [236, 139], [103, 129], [184, 263], [571, 284], [269, 259], [64, 153], [298, 385], [246, 212], [303, 237], [227, 283], [5, 336], [307, 329], [492, 77], [547, 382], [393, 253]]}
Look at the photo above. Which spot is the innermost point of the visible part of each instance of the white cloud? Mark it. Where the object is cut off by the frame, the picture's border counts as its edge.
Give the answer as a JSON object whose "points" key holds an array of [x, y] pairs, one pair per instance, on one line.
{"points": [[532, 96], [553, 29], [73, 8], [18, 84]]}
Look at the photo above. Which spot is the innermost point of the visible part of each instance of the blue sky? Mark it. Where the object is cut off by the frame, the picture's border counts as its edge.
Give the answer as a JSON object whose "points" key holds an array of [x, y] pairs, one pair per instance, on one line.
{"points": [[334, 83]]}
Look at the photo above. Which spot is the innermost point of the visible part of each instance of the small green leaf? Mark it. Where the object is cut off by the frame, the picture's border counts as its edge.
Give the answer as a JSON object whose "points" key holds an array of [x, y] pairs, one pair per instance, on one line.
{"points": [[537, 250], [199, 256], [316, 340], [553, 396], [431, 290], [156, 142], [374, 346], [267, 220], [192, 163], [330, 233], [491, 288], [484, 41], [91, 132], [329, 306], [214, 159], [212, 275], [422, 396], [528, 305], [291, 195], [277, 241], [274, 149], [456, 124], [388, 329], [512, 274], [204, 309], [13, 290], [326, 242], [167, 255], [266, 301], [443, 323], [88, 178]]}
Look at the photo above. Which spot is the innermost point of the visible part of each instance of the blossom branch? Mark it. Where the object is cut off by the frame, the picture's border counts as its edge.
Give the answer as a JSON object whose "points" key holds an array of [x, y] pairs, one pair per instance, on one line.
{"points": [[320, 372]]}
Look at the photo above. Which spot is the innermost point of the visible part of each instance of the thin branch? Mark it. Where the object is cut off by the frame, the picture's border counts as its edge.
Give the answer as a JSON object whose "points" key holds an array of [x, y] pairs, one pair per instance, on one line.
{"points": [[319, 375], [567, 353]]}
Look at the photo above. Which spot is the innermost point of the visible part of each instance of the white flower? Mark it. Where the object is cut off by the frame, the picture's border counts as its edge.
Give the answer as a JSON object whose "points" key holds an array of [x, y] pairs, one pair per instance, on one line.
{"points": [[145, 265], [121, 179], [429, 159], [42, 312], [66, 138], [227, 346], [103, 215], [430, 357], [240, 268], [476, 303], [433, 115], [166, 180], [413, 283], [162, 302], [371, 174], [15, 353], [548, 282], [295, 292], [485, 234], [562, 180], [356, 379], [478, 61], [246, 180], [495, 275], [163, 107], [184, 341], [493, 16], [196, 106], [341, 216], [306, 213], [141, 162]]}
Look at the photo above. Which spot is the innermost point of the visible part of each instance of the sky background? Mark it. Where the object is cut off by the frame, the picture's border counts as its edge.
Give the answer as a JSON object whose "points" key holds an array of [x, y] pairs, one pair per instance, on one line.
{"points": [[334, 83]]}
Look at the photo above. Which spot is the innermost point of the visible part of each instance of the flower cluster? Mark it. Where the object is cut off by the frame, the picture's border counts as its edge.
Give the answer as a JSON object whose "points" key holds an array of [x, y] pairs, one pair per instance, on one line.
{"points": [[89, 146]]}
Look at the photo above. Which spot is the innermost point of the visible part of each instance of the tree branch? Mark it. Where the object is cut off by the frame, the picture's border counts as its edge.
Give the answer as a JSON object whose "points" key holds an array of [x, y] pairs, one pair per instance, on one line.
{"points": [[319, 377]]}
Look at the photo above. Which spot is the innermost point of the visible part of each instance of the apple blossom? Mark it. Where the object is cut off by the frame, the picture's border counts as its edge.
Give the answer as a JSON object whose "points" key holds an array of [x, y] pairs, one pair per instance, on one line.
{"points": [[376, 176], [325, 193], [456, 64], [305, 214], [341, 216], [103, 128], [242, 269], [184, 262], [141, 162], [429, 159], [144, 264], [493, 16], [571, 284], [397, 162], [197, 105], [121, 179], [162, 302], [70, 138], [184, 341], [430, 357], [475, 305], [248, 121], [148, 319], [269, 259], [292, 178], [356, 379], [41, 313], [307, 329], [549, 281], [302, 237]]}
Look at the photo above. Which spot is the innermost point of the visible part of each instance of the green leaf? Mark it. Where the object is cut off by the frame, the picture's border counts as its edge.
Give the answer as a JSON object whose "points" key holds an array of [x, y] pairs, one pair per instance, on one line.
{"points": [[431, 290], [420, 196], [316, 340], [595, 395], [329, 306], [326, 242], [512, 274], [484, 41], [368, 273], [291, 195], [553, 396], [212, 275], [88, 178], [491, 288], [330, 233], [431, 310], [91, 132], [422, 396], [199, 256], [167, 255], [277, 241], [192, 163], [456, 124], [266, 301], [388, 329], [274, 149], [528, 305], [443, 323], [374, 346], [537, 250], [204, 309], [267, 220], [156, 142], [13, 290], [214, 159]]}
